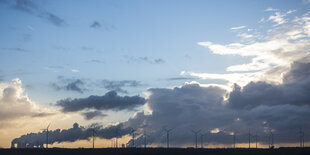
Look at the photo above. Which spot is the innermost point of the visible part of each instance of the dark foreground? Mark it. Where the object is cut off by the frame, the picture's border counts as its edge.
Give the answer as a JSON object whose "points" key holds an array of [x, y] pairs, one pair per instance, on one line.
{"points": [[162, 151]]}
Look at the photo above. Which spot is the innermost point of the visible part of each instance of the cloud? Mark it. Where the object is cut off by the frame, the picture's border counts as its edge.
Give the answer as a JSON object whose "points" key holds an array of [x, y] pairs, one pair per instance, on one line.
{"points": [[31, 8], [96, 61], [95, 24], [271, 55], [75, 133], [271, 9], [144, 60], [118, 85], [278, 17], [92, 114], [67, 84], [75, 70], [238, 28], [109, 101], [181, 78], [14, 104]]}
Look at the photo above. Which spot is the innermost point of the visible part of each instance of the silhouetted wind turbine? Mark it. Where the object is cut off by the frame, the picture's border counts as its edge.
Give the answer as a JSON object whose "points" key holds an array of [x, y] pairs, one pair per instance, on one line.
{"points": [[234, 140], [144, 137], [249, 138], [168, 131], [94, 132], [201, 140], [46, 134], [301, 137], [133, 137], [271, 139], [256, 136], [196, 133]]}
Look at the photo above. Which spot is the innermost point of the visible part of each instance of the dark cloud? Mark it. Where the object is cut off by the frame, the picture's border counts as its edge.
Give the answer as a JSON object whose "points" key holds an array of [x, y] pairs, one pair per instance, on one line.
{"points": [[95, 24], [144, 60], [92, 114], [109, 101], [67, 84], [259, 107], [118, 85], [70, 135], [181, 78], [42, 114], [293, 91], [30, 7]]}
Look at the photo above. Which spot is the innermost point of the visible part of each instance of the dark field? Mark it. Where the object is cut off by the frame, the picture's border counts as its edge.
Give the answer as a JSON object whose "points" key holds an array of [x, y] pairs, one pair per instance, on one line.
{"points": [[141, 151]]}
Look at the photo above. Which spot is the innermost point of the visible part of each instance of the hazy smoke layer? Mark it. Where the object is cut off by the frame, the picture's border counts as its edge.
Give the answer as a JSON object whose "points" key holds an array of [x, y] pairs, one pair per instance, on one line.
{"points": [[70, 135]]}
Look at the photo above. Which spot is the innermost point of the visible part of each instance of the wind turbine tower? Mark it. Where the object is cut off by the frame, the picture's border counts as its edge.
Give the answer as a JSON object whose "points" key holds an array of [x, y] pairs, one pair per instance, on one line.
{"points": [[249, 138], [94, 132], [201, 140], [301, 136], [196, 133], [46, 134], [133, 137], [168, 132]]}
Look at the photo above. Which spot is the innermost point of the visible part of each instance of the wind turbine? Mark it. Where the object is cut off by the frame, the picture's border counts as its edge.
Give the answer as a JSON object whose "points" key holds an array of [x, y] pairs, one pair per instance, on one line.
{"points": [[196, 133], [144, 137], [167, 131], [46, 134], [94, 132], [256, 137], [271, 139], [116, 138], [201, 140], [234, 140], [249, 138], [133, 137], [301, 137]]}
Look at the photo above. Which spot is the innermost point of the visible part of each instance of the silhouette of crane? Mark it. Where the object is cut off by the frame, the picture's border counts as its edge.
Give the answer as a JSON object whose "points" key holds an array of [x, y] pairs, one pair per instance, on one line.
{"points": [[168, 132], [196, 133], [46, 134]]}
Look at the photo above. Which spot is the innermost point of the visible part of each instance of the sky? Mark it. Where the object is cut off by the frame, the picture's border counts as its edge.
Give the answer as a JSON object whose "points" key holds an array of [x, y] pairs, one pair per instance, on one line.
{"points": [[222, 67]]}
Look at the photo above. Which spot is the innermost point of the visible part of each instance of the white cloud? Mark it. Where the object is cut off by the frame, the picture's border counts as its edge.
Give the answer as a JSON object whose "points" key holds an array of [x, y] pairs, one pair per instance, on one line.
{"points": [[15, 104], [278, 18], [271, 54], [245, 35], [75, 70], [237, 28], [270, 9]]}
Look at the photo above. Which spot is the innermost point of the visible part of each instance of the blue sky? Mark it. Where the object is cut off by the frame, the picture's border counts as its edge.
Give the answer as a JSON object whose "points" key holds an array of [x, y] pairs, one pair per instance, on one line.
{"points": [[134, 45], [157, 30]]}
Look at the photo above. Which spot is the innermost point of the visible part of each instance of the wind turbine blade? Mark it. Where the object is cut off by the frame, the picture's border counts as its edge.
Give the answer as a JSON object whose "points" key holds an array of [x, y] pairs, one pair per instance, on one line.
{"points": [[48, 126]]}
